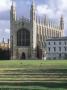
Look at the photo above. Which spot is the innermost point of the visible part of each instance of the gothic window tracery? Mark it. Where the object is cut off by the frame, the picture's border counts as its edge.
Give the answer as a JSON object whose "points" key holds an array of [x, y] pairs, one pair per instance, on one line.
{"points": [[23, 37]]}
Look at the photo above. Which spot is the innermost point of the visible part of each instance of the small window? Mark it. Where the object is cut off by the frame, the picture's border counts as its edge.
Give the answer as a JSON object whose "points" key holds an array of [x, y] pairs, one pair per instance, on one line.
{"points": [[59, 48], [54, 43], [65, 43], [65, 48], [49, 49], [49, 43], [54, 49], [59, 43]]}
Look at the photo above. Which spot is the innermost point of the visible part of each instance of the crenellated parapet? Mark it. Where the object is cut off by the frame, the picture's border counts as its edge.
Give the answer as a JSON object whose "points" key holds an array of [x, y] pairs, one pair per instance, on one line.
{"points": [[24, 19]]}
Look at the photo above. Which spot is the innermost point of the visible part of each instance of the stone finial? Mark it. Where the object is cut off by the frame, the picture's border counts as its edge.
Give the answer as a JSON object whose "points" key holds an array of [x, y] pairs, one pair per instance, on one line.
{"points": [[46, 20], [61, 22]]}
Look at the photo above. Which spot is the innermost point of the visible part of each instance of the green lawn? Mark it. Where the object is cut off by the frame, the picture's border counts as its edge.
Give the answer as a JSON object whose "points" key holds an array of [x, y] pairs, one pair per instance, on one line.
{"points": [[33, 63], [33, 75]]}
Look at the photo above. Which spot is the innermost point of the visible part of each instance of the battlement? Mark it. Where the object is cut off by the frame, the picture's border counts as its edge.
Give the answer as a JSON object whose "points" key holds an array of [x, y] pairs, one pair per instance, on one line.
{"points": [[24, 19]]}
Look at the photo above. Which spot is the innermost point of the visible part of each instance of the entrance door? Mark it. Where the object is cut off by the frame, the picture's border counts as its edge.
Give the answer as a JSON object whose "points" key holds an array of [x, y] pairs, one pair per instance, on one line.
{"points": [[23, 56]]}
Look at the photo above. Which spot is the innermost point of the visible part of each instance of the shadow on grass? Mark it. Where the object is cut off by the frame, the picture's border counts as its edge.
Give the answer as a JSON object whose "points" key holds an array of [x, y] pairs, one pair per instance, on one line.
{"points": [[53, 71], [47, 84], [64, 71], [41, 84]]}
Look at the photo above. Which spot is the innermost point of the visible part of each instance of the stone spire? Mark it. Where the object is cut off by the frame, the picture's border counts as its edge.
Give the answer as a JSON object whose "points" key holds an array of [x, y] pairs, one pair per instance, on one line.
{"points": [[13, 11], [61, 22]]}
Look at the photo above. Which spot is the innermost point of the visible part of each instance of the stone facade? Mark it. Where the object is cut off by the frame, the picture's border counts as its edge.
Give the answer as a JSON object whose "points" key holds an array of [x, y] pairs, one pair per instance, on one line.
{"points": [[38, 32], [56, 48]]}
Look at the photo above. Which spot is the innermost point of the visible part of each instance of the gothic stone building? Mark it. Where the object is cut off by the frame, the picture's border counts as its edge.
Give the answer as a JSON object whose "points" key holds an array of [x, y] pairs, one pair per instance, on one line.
{"points": [[27, 36]]}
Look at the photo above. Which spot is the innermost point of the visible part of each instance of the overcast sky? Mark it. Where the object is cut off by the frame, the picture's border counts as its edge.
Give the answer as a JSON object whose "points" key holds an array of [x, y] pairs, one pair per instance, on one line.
{"points": [[53, 8]]}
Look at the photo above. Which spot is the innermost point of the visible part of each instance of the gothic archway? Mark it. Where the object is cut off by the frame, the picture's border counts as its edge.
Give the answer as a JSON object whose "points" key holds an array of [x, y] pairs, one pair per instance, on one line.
{"points": [[23, 56]]}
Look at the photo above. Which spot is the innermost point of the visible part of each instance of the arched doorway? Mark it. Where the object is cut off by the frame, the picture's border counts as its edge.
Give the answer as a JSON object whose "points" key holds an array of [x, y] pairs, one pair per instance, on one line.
{"points": [[23, 56]]}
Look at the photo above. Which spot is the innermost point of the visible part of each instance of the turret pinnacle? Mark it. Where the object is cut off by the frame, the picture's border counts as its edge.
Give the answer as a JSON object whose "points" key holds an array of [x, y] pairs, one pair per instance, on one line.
{"points": [[61, 22], [33, 2], [13, 12]]}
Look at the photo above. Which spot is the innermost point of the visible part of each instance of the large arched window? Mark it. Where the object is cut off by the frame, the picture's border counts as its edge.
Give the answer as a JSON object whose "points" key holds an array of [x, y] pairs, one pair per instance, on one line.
{"points": [[23, 37]]}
